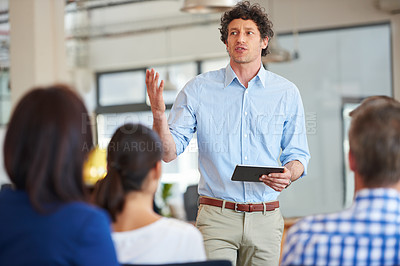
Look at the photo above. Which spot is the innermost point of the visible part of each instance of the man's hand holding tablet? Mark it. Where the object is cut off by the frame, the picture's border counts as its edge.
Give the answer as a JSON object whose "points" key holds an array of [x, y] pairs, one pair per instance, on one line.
{"points": [[252, 173]]}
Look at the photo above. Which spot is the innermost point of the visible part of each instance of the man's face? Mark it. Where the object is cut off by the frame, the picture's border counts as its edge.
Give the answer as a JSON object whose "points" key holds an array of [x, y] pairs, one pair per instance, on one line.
{"points": [[244, 43]]}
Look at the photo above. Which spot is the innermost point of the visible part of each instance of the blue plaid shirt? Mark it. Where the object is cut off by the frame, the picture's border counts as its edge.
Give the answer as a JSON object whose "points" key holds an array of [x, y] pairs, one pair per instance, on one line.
{"points": [[368, 233]]}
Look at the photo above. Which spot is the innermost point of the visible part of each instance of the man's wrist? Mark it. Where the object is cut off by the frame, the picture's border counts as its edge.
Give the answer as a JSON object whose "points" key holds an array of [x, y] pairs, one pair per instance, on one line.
{"points": [[158, 114]]}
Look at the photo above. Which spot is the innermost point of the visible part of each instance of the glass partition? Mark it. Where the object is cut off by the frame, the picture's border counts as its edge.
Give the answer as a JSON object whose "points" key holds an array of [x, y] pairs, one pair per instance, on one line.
{"points": [[332, 65]]}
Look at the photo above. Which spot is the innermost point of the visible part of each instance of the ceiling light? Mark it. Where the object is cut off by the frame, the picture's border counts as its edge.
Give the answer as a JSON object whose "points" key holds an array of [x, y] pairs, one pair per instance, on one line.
{"points": [[207, 6], [276, 53], [168, 85]]}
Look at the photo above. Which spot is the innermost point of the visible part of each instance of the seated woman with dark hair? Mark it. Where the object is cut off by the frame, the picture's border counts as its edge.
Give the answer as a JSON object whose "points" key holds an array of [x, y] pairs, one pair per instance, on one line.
{"points": [[140, 235], [45, 219]]}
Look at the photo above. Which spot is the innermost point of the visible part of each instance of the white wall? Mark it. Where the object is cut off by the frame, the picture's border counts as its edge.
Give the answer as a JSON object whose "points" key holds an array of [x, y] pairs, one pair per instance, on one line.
{"points": [[37, 45], [149, 49]]}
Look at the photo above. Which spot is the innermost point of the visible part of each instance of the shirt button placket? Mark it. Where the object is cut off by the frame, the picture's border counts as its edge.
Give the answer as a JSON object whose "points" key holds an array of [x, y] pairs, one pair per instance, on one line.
{"points": [[246, 130], [245, 141], [244, 127]]}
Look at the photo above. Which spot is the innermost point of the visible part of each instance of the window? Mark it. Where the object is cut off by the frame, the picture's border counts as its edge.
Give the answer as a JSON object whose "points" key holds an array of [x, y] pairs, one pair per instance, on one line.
{"points": [[5, 96], [122, 98], [122, 88], [108, 123], [177, 76]]}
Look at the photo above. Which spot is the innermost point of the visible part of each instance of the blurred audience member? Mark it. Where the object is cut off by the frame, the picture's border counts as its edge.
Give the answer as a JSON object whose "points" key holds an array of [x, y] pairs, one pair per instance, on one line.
{"points": [[368, 232], [127, 192], [44, 219], [374, 101]]}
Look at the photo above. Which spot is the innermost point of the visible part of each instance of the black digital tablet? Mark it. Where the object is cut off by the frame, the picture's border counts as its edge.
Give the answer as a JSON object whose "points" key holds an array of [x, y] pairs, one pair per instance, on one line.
{"points": [[251, 173]]}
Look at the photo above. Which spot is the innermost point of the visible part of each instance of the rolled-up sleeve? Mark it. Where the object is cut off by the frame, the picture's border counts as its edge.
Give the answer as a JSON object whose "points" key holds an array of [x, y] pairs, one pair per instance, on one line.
{"points": [[294, 138], [182, 119]]}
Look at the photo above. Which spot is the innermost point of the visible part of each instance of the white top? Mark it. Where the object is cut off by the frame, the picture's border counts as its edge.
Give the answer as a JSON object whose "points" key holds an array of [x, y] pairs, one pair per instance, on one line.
{"points": [[164, 241]]}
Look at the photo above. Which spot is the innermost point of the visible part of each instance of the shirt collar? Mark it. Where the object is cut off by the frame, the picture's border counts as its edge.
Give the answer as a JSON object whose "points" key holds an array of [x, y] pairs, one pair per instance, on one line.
{"points": [[372, 193], [262, 75], [230, 75]]}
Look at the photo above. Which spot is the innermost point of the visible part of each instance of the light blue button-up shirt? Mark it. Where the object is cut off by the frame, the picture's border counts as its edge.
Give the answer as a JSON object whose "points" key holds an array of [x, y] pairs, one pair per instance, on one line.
{"points": [[239, 125]]}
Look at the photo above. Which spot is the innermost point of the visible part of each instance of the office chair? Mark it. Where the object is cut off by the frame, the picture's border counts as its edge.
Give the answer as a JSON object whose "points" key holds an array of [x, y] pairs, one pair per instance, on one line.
{"points": [[190, 198]]}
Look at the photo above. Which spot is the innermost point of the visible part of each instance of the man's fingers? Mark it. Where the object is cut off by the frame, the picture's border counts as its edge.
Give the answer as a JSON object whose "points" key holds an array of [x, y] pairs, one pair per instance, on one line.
{"points": [[278, 177], [276, 183], [156, 80], [274, 186], [161, 86], [152, 78], [286, 175]]}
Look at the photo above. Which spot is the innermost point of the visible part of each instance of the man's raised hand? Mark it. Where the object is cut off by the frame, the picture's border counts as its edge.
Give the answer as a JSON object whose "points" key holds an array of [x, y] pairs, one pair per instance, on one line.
{"points": [[155, 91]]}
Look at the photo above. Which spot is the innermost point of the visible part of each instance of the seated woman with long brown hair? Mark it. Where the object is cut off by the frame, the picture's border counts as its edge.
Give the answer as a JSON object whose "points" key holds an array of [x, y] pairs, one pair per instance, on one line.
{"points": [[140, 235], [45, 219]]}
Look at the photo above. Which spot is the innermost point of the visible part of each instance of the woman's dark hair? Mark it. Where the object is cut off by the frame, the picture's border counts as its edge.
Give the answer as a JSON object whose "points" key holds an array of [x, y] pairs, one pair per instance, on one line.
{"points": [[132, 152], [47, 141], [244, 10]]}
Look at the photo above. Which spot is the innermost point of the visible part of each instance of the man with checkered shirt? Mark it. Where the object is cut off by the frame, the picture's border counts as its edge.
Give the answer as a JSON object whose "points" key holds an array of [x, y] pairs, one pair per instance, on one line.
{"points": [[368, 233]]}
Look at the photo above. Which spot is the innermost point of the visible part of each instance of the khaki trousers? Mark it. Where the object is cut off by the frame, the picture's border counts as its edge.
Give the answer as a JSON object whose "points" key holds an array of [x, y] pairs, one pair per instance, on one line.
{"points": [[245, 238]]}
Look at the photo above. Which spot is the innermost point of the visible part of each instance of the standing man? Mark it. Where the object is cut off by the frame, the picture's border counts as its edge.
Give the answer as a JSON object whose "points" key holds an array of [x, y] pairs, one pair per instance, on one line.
{"points": [[242, 114], [368, 232]]}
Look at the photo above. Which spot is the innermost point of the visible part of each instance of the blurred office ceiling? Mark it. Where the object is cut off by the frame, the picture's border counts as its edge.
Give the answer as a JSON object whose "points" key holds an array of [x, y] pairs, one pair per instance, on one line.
{"points": [[91, 19], [191, 6], [207, 6], [113, 18], [103, 19], [73, 5]]}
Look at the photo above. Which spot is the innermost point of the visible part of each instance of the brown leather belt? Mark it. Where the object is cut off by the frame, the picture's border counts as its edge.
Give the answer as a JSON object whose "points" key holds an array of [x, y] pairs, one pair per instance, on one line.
{"points": [[239, 207]]}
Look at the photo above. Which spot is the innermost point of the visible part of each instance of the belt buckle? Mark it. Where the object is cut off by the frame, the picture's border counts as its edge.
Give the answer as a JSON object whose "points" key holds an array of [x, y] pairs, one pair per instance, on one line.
{"points": [[236, 210]]}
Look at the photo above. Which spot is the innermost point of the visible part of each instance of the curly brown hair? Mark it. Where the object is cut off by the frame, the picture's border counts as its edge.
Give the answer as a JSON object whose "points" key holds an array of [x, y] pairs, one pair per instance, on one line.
{"points": [[244, 10]]}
